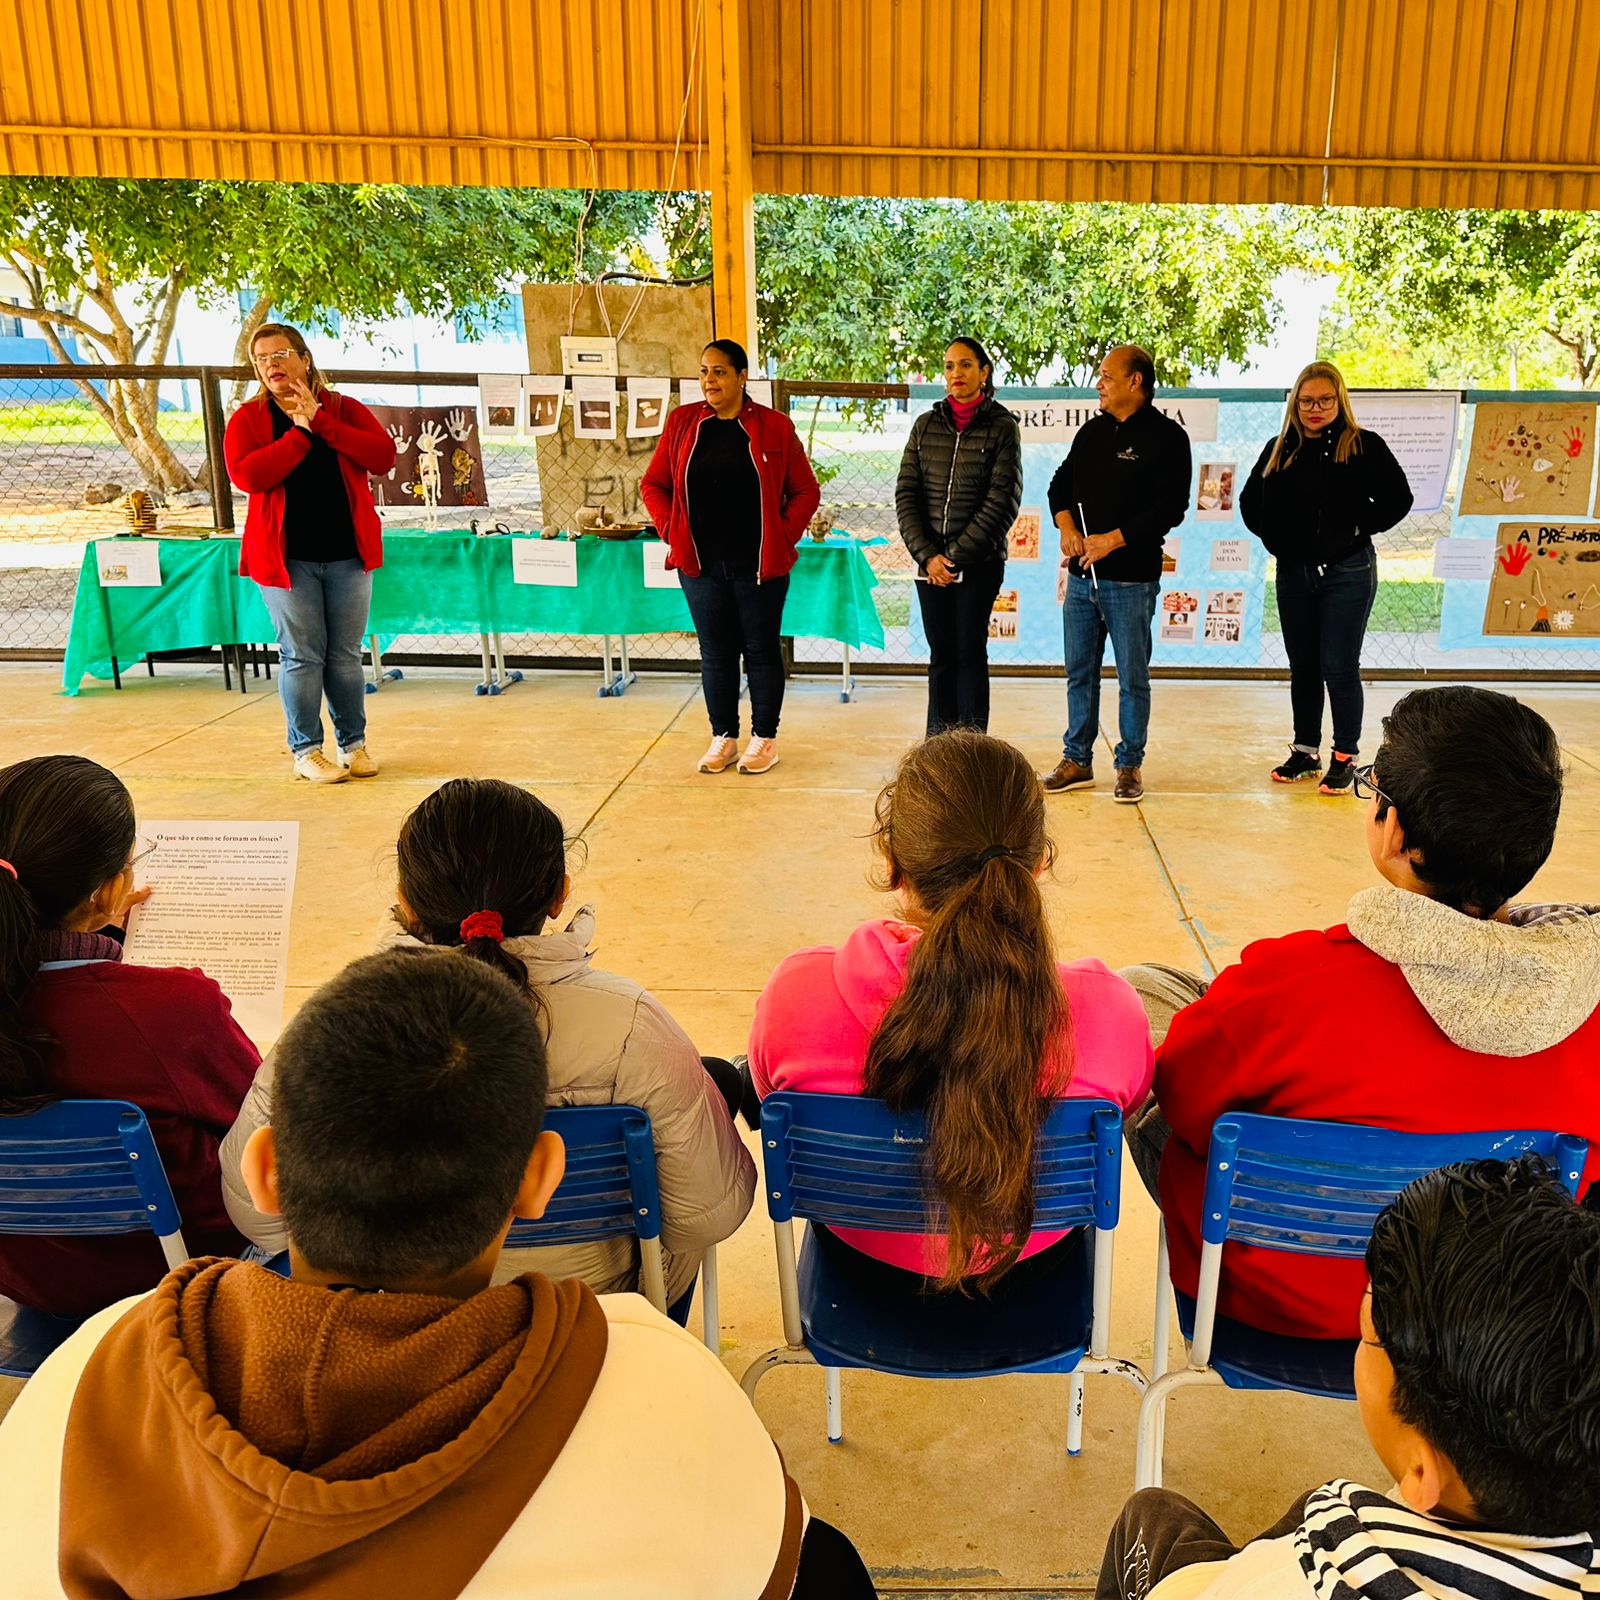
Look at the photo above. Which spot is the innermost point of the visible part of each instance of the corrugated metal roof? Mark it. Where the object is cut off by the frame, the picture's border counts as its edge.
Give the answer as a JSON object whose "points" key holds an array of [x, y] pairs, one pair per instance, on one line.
{"points": [[1393, 102]]}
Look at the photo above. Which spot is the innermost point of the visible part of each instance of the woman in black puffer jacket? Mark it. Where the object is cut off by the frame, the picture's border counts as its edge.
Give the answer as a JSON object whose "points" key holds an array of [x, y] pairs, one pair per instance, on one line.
{"points": [[1318, 494], [956, 497]]}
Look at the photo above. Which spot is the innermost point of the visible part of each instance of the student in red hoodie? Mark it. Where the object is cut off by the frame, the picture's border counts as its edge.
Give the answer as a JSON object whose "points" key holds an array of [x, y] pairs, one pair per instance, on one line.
{"points": [[731, 491], [77, 1022], [1436, 1007], [312, 541]]}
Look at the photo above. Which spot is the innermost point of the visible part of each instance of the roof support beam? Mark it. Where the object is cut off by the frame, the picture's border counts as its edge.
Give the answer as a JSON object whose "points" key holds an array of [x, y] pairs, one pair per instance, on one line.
{"points": [[733, 192]]}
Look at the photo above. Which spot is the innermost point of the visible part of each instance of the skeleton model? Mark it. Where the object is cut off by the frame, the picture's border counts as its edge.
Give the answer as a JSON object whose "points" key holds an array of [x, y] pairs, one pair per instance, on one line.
{"points": [[429, 438]]}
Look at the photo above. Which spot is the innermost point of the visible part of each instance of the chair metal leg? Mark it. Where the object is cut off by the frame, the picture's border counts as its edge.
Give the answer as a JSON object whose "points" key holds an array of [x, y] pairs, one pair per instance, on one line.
{"points": [[1075, 1414], [1152, 1411], [783, 1355], [710, 1312], [835, 1405], [1161, 1334]]}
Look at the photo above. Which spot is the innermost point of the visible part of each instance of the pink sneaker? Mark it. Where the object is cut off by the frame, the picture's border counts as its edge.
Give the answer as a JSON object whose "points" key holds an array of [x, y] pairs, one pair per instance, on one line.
{"points": [[760, 755], [720, 755]]}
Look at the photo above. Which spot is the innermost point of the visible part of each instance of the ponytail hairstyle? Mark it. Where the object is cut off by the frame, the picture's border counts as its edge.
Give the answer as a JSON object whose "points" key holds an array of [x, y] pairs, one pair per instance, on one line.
{"points": [[315, 382], [66, 829], [981, 356], [1290, 438], [479, 846], [977, 1040]]}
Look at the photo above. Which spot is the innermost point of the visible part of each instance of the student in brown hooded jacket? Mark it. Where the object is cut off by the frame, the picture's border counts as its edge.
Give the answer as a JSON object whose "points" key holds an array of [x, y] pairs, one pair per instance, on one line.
{"points": [[384, 1421]]}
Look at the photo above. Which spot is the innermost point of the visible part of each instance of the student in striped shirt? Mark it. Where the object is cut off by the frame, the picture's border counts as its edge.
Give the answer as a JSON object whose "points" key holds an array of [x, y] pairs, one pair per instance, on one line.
{"points": [[1478, 1378]]}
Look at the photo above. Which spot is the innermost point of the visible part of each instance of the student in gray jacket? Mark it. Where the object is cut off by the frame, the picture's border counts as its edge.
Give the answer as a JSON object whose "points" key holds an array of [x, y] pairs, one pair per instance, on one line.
{"points": [[482, 866]]}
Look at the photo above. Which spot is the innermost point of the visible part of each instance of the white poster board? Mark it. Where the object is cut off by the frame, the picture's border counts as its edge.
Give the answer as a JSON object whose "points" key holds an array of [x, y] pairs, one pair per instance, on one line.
{"points": [[220, 902], [1472, 559], [1419, 425], [656, 573], [500, 401], [542, 394], [647, 406], [128, 563], [594, 408], [549, 563], [1047, 421]]}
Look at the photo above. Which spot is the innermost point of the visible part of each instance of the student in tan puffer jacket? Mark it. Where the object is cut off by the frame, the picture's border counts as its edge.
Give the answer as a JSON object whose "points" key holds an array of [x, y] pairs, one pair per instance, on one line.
{"points": [[482, 865]]}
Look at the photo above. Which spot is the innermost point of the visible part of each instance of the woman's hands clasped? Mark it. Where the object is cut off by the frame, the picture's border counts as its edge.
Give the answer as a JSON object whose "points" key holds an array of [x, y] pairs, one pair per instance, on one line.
{"points": [[301, 404]]}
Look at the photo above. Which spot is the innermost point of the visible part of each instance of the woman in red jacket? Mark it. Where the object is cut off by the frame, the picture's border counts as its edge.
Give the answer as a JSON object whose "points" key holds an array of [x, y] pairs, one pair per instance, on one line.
{"points": [[730, 490], [312, 540], [76, 1021]]}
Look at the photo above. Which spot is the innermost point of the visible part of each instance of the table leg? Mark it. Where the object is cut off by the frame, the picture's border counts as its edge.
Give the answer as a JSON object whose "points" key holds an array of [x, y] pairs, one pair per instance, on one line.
{"points": [[628, 674], [847, 684], [116, 674], [379, 672], [485, 687], [502, 679], [608, 679]]}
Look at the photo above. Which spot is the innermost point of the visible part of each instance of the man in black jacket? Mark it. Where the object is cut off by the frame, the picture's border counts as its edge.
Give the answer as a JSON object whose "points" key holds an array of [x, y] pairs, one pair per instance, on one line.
{"points": [[1122, 488]]}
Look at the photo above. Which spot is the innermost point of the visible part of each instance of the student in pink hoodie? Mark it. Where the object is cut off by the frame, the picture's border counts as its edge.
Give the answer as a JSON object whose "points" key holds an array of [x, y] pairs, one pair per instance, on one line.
{"points": [[958, 1007]]}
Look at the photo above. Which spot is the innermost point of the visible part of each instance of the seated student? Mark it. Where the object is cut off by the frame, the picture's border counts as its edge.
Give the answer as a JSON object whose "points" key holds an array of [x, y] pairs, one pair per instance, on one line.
{"points": [[482, 867], [1478, 1378], [1436, 1007], [958, 1007], [78, 1022], [384, 1421]]}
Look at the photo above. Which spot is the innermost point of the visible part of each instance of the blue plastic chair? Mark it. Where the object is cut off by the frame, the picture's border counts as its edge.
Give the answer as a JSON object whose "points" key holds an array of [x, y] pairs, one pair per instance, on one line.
{"points": [[73, 1168], [850, 1162], [610, 1191], [1308, 1188]]}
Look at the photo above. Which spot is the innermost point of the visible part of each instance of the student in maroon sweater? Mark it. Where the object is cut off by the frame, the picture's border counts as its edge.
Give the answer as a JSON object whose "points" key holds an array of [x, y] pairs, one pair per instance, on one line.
{"points": [[76, 1022]]}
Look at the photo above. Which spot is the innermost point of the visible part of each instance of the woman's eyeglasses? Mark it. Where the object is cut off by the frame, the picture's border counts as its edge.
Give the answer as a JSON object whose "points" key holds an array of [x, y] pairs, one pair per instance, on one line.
{"points": [[1366, 784], [143, 848], [274, 358], [1311, 402]]}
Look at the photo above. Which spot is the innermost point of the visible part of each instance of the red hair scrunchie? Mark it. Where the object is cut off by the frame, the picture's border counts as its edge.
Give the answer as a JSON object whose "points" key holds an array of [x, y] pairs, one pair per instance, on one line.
{"points": [[483, 925]]}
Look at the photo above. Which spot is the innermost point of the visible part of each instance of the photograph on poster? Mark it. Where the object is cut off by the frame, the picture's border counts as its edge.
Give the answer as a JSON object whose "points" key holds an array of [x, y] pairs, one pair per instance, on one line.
{"points": [[647, 406], [1214, 498], [1224, 616], [1529, 457], [1003, 617], [541, 404], [499, 396], [1546, 579], [1171, 549], [1022, 543], [1180, 609], [594, 403]]}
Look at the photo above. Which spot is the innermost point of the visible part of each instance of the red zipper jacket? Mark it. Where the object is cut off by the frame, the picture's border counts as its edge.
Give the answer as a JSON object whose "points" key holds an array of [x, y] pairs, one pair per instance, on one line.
{"points": [[258, 464], [789, 490]]}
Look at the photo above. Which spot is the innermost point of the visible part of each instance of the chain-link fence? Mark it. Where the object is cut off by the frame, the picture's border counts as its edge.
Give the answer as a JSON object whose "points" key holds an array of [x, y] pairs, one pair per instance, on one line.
{"points": [[75, 465]]}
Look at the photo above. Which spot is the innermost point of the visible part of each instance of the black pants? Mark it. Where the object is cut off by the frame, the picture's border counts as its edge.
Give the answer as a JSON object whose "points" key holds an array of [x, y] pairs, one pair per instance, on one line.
{"points": [[830, 1569], [1323, 612], [733, 617], [1160, 1531], [956, 621]]}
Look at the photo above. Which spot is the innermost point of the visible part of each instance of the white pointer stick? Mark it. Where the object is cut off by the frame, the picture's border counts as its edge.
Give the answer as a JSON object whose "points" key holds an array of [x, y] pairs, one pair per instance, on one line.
{"points": [[1083, 528]]}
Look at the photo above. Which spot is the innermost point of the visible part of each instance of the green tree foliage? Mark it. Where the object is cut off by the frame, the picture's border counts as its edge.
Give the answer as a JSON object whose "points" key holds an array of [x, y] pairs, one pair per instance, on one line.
{"points": [[1473, 296], [866, 290], [108, 262]]}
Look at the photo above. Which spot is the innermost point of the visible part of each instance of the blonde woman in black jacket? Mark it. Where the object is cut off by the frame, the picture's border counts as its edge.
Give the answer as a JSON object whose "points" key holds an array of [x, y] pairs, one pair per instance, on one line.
{"points": [[1319, 492], [956, 497]]}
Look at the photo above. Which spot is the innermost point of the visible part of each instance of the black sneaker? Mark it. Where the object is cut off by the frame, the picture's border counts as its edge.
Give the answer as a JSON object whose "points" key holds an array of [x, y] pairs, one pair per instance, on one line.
{"points": [[1298, 766], [1340, 777]]}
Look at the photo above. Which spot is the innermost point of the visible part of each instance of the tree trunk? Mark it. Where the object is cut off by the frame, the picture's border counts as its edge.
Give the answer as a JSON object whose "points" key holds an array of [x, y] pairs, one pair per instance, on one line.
{"points": [[241, 349]]}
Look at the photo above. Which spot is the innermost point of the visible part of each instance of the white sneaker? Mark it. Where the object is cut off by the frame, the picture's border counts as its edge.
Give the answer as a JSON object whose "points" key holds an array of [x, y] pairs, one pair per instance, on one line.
{"points": [[357, 762], [318, 768], [719, 754], [760, 755]]}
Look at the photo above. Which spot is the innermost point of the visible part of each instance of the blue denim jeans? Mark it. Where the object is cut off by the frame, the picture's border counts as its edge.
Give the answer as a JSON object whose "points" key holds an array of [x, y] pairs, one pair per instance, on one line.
{"points": [[733, 617], [1124, 613], [1323, 612], [321, 619]]}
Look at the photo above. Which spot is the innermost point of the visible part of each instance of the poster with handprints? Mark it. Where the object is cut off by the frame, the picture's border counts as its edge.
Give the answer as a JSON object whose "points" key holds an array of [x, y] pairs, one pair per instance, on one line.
{"points": [[438, 458], [1546, 580], [1529, 459]]}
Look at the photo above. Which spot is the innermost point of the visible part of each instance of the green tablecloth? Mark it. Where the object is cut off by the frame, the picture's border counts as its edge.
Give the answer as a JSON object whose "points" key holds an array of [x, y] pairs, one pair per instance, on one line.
{"points": [[432, 583]]}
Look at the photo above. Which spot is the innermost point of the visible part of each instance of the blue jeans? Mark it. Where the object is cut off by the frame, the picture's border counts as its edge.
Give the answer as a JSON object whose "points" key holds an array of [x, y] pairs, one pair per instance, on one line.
{"points": [[320, 620], [1124, 613], [1323, 612], [736, 616]]}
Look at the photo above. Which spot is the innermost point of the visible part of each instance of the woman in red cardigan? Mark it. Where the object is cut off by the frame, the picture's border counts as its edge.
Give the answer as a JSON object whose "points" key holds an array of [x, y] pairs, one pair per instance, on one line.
{"points": [[78, 1022], [312, 540], [730, 490]]}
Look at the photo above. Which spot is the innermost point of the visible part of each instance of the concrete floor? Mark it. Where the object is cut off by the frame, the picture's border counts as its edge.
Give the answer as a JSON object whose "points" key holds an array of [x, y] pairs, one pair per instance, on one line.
{"points": [[703, 884]]}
